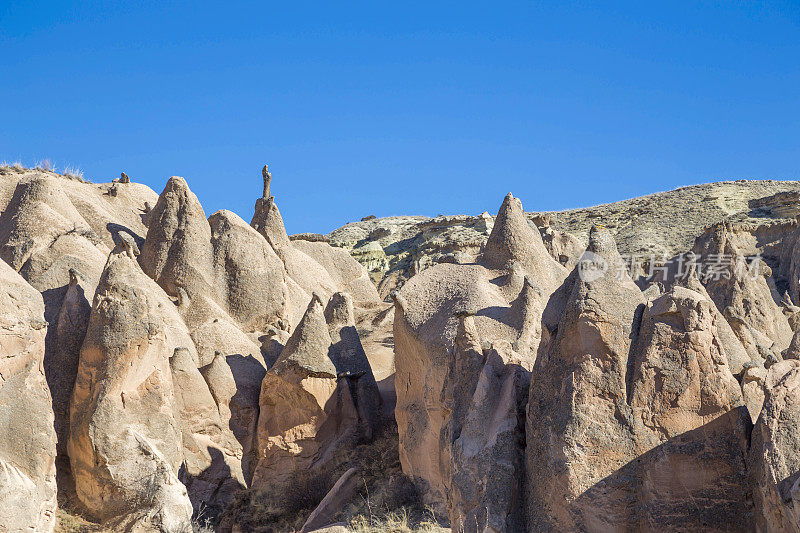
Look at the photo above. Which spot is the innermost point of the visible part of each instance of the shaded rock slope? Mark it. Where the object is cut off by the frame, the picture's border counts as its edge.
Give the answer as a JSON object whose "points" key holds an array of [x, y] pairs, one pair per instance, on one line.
{"points": [[160, 368]]}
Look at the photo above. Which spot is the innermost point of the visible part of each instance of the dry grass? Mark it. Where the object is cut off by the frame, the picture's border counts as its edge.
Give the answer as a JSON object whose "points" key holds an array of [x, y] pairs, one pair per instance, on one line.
{"points": [[69, 520], [16, 165], [73, 173], [45, 164], [395, 522], [388, 500]]}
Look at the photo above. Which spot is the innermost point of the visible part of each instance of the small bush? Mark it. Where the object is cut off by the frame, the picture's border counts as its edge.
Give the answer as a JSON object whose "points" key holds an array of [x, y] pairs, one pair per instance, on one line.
{"points": [[73, 173]]}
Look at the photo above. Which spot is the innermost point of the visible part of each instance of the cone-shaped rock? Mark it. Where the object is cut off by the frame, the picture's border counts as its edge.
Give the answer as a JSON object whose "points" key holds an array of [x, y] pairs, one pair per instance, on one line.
{"points": [[578, 397], [294, 396], [692, 425], [734, 351], [351, 362], [740, 290], [250, 278], [125, 439], [513, 239], [177, 250]]}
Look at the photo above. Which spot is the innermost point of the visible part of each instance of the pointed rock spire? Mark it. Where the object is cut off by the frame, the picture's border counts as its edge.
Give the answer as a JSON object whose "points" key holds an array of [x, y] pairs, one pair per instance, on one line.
{"points": [[735, 352], [267, 219], [514, 240], [309, 346], [267, 179], [177, 249]]}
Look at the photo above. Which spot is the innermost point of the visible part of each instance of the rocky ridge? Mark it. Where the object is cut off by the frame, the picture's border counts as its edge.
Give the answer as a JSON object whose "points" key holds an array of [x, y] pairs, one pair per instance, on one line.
{"points": [[663, 224]]}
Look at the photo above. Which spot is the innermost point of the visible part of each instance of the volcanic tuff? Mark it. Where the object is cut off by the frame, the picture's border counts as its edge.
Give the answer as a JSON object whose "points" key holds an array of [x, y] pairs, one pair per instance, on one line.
{"points": [[395, 248], [162, 370]]}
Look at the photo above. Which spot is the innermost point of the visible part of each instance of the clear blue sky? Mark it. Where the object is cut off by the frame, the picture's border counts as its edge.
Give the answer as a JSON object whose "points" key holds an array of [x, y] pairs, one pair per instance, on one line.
{"points": [[402, 107]]}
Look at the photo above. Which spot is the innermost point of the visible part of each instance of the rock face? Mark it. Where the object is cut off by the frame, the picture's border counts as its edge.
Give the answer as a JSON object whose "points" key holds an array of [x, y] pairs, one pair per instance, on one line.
{"points": [[27, 436], [319, 395], [690, 420], [446, 380], [579, 398], [658, 407], [741, 290], [774, 460], [125, 438]]}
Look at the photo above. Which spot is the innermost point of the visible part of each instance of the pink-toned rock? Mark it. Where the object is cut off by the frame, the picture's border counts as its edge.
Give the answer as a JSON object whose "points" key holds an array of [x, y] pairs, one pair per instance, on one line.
{"points": [[125, 443], [27, 437], [443, 384], [774, 458]]}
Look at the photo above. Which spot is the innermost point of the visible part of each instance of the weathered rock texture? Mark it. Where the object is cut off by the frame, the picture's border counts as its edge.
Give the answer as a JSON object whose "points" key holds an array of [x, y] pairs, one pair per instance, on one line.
{"points": [[663, 224], [27, 435], [318, 396], [125, 438], [774, 458], [455, 433], [535, 387]]}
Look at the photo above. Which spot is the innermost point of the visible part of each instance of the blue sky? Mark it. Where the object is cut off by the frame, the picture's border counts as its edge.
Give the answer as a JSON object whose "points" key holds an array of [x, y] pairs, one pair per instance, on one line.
{"points": [[404, 108]]}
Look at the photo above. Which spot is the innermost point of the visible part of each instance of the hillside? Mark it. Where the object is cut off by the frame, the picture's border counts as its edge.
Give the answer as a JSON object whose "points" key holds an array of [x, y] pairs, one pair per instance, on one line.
{"points": [[664, 224]]}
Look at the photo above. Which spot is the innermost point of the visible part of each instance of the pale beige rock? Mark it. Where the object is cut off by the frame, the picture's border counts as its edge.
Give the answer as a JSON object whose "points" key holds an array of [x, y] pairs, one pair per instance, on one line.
{"points": [[347, 274], [27, 437], [735, 352], [250, 277], [482, 437], [296, 397], [235, 383], [61, 364], [691, 421], [774, 460], [740, 290], [753, 382], [312, 266], [319, 396], [507, 291], [125, 440], [352, 366], [659, 410], [177, 250], [212, 457], [579, 399]]}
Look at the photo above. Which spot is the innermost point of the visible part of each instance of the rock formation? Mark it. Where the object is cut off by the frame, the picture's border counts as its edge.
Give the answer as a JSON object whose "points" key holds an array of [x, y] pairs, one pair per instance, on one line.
{"points": [[774, 461], [444, 374], [536, 386], [125, 443], [319, 395], [27, 435]]}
